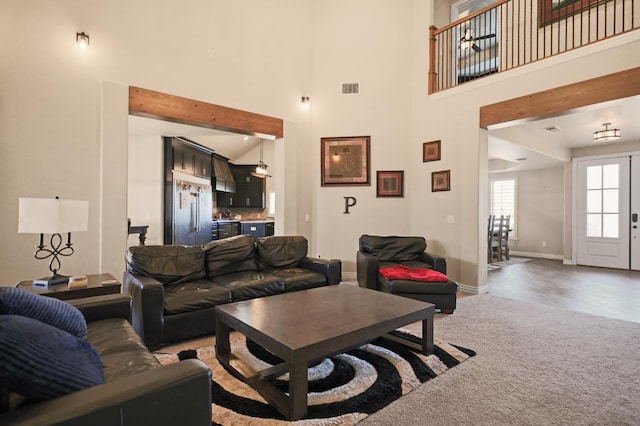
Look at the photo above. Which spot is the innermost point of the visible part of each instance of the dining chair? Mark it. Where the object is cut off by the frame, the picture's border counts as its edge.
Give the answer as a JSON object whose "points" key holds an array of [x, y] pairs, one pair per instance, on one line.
{"points": [[495, 238], [504, 238], [490, 238]]}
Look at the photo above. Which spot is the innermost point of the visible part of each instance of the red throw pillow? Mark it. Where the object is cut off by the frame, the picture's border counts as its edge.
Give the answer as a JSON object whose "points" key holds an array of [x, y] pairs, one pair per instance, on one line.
{"points": [[401, 272]]}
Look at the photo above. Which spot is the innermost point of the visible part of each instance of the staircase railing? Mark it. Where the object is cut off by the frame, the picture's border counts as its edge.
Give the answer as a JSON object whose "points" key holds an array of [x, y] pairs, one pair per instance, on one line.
{"points": [[512, 33]]}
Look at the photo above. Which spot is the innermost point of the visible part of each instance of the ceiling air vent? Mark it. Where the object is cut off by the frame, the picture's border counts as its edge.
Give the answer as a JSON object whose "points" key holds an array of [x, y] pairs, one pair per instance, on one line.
{"points": [[350, 88]]}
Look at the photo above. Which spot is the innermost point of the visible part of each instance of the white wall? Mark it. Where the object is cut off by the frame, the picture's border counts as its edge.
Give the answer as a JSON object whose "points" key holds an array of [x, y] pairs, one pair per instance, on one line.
{"points": [[368, 42], [540, 212], [63, 114], [61, 126], [145, 190]]}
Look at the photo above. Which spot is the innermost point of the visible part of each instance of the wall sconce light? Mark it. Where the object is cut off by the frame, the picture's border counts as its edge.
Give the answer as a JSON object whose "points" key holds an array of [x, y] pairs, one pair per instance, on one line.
{"points": [[305, 102], [607, 134], [52, 216], [83, 40]]}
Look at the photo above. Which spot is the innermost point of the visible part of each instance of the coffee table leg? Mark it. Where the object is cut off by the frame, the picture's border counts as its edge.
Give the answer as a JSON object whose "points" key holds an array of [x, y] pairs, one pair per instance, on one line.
{"points": [[222, 339], [298, 388], [427, 336]]}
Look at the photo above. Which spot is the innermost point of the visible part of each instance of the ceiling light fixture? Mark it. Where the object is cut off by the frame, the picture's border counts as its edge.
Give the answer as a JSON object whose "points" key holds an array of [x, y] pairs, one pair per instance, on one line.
{"points": [[261, 168], [607, 134], [83, 40]]}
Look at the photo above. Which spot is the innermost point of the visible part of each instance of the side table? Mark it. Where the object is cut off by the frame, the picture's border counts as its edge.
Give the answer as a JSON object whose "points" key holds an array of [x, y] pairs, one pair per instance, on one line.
{"points": [[98, 285]]}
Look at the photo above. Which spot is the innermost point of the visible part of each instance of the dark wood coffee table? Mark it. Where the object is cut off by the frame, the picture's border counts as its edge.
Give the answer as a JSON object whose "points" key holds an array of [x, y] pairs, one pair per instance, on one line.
{"points": [[304, 326]]}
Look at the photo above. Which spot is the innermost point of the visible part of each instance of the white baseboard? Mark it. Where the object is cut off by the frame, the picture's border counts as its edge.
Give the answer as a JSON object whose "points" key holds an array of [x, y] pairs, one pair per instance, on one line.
{"points": [[349, 276], [473, 289], [536, 254]]}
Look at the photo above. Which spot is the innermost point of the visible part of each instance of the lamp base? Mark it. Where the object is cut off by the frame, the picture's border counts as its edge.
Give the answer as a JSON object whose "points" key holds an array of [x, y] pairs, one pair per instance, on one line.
{"points": [[51, 280]]}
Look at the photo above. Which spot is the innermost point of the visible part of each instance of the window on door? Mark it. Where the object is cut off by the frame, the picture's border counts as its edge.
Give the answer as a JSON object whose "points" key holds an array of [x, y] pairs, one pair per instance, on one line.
{"points": [[603, 190], [503, 201]]}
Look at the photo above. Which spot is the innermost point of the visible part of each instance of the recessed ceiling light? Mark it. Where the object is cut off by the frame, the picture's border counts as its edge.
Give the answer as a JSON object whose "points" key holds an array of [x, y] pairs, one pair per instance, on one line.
{"points": [[552, 129]]}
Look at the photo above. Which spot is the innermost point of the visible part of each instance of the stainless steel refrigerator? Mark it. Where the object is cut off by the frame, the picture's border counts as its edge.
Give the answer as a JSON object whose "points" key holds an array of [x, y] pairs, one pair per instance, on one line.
{"points": [[192, 207]]}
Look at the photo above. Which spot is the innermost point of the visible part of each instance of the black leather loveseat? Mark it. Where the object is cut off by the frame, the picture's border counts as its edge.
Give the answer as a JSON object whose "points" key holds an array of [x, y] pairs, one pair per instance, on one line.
{"points": [[176, 288], [133, 388]]}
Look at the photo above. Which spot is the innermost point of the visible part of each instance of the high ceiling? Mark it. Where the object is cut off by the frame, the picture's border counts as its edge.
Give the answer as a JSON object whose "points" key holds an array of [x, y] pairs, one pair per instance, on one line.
{"points": [[544, 148], [229, 145]]}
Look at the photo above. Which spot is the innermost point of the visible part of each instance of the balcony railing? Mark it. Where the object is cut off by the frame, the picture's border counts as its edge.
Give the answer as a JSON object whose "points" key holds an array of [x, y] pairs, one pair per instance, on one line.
{"points": [[512, 33]]}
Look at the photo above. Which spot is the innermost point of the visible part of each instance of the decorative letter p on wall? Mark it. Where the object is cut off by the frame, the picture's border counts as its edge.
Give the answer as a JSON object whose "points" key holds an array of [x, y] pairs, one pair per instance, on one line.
{"points": [[349, 202]]}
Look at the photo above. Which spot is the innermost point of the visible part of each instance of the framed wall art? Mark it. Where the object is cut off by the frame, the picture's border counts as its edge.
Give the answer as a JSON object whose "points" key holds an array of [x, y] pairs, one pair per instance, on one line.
{"points": [[345, 161], [390, 183], [430, 151], [441, 181], [553, 10]]}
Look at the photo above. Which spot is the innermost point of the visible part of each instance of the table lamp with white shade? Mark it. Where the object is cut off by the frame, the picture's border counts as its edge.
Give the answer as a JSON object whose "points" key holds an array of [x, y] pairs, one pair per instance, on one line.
{"points": [[56, 217]]}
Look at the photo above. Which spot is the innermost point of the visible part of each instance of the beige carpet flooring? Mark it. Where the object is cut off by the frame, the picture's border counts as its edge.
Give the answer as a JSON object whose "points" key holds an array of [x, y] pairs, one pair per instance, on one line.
{"points": [[535, 365]]}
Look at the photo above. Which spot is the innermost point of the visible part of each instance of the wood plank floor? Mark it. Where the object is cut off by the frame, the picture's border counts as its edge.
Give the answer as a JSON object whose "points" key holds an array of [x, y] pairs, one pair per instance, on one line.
{"points": [[611, 293]]}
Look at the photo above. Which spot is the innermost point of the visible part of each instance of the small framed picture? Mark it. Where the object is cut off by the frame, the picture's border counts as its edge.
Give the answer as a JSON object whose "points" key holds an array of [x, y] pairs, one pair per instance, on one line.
{"points": [[390, 183], [430, 151], [441, 181]]}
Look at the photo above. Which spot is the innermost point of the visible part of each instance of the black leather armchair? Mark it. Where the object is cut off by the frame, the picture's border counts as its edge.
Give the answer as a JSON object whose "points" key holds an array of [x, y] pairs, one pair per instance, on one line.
{"points": [[377, 252]]}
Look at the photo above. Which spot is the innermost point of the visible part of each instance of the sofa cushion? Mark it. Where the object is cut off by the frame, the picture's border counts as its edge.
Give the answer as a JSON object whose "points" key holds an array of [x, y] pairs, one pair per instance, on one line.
{"points": [[123, 353], [232, 254], [299, 278], [56, 313], [392, 248], [280, 251], [167, 264], [193, 296], [39, 361], [251, 284]]}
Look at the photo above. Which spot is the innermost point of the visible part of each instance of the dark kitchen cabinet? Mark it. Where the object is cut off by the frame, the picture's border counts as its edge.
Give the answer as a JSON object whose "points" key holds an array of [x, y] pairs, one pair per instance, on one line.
{"points": [[214, 230], [182, 157], [257, 228], [202, 163], [187, 157], [250, 190], [228, 229]]}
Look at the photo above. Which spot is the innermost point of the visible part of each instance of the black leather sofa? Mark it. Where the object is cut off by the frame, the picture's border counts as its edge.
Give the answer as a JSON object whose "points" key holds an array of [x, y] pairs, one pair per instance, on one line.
{"points": [[176, 288], [377, 252], [137, 390]]}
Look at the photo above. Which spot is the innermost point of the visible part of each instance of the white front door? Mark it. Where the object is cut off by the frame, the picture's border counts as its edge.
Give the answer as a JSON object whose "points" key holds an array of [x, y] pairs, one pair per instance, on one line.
{"points": [[602, 212], [635, 212]]}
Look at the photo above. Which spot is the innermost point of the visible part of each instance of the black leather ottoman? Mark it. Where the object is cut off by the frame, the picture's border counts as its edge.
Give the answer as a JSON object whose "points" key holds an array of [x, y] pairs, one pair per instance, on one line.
{"points": [[441, 294]]}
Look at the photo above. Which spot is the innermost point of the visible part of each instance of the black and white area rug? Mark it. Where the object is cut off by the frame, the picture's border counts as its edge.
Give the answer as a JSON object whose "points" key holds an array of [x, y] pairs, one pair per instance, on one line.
{"points": [[342, 390]]}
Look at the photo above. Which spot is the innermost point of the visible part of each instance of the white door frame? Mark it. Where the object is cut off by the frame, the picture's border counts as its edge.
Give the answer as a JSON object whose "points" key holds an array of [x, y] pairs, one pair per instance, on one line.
{"points": [[574, 195], [634, 245]]}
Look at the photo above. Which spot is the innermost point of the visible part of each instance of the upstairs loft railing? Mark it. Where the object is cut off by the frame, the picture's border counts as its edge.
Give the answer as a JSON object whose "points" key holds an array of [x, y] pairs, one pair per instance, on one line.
{"points": [[512, 33]]}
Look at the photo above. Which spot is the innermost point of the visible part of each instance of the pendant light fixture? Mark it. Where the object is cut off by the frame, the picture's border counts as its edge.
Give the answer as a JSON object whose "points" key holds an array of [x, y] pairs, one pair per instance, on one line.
{"points": [[261, 168], [607, 134]]}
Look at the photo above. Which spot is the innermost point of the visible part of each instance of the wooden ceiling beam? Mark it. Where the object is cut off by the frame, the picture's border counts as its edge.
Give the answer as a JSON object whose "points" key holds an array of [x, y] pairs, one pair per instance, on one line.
{"points": [[163, 106], [561, 100]]}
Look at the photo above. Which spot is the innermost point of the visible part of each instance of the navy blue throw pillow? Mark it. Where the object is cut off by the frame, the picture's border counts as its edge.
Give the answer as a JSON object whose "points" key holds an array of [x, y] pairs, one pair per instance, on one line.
{"points": [[41, 362], [57, 313]]}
